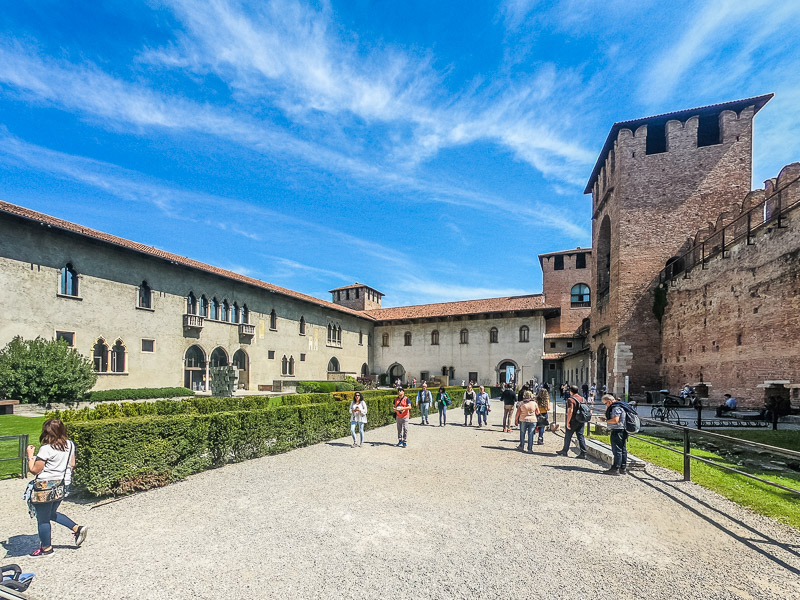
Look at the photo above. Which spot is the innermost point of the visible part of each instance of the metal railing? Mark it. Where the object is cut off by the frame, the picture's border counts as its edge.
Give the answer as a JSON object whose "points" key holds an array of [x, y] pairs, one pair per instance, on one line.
{"points": [[767, 213], [21, 457]]}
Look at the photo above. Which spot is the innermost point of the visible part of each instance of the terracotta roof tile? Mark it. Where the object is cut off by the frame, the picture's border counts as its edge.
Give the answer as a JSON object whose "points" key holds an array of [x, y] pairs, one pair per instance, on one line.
{"points": [[464, 307], [558, 336], [554, 355], [26, 213]]}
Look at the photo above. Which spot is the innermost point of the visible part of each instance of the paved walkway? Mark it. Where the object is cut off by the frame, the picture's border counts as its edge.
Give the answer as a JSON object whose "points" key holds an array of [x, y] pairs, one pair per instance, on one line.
{"points": [[458, 514]]}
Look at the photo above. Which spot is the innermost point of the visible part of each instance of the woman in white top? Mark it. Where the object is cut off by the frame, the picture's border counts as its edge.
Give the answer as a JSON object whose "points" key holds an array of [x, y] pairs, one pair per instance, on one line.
{"points": [[358, 412], [54, 462]]}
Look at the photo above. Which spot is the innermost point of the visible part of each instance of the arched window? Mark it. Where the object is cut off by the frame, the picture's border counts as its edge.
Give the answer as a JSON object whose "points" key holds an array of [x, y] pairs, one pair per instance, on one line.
{"points": [[524, 334], [284, 365], [385, 340], [118, 357], [291, 365], [69, 281], [240, 360], [360, 338], [493, 335], [203, 306], [195, 358], [273, 320], [219, 358], [302, 325], [407, 338], [145, 296], [215, 309], [579, 296], [330, 333], [245, 314], [435, 337], [191, 304], [100, 356], [333, 365], [236, 313], [464, 336], [226, 310], [339, 335]]}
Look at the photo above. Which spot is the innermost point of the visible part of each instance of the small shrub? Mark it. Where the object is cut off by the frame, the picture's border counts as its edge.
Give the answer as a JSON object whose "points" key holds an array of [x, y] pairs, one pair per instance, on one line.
{"points": [[44, 371], [344, 386]]}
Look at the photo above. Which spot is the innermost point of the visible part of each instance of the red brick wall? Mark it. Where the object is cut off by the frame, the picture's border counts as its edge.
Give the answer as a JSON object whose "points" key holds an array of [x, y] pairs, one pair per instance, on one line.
{"points": [[735, 324], [557, 288]]}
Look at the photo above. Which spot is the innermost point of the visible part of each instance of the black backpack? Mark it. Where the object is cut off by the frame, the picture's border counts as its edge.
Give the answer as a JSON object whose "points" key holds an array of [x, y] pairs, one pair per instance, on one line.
{"points": [[632, 421], [582, 413]]}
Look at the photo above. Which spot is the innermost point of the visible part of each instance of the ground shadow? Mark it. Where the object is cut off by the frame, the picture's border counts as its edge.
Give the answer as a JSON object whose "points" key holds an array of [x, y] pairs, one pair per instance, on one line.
{"points": [[575, 468], [380, 444], [501, 448], [673, 494], [20, 545], [341, 444]]}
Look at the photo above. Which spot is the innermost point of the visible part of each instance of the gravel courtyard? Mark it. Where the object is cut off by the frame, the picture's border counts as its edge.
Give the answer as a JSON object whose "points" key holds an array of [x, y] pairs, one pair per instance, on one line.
{"points": [[457, 514]]}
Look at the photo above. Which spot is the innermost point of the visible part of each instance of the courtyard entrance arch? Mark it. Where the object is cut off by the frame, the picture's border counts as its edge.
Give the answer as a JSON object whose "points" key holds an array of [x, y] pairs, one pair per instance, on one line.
{"points": [[194, 368], [396, 371], [507, 371], [242, 362]]}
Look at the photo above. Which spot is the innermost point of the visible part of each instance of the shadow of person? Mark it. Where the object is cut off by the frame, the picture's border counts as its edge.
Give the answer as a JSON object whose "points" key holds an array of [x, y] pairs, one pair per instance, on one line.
{"points": [[20, 545]]}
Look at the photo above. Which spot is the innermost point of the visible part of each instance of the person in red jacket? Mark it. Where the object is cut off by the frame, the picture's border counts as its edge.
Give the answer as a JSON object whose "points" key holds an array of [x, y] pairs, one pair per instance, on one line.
{"points": [[402, 408]]}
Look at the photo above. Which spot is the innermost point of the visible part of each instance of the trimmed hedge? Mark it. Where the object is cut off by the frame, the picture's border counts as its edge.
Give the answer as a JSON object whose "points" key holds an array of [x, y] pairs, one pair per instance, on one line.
{"points": [[312, 387], [138, 394], [120, 456]]}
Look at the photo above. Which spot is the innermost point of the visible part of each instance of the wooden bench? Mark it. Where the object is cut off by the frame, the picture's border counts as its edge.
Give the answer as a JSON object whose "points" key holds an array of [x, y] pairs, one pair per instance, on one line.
{"points": [[7, 406]]}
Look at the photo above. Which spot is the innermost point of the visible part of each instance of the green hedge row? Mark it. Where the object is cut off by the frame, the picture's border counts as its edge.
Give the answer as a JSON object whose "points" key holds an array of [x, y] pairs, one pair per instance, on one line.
{"points": [[138, 394], [119, 456]]}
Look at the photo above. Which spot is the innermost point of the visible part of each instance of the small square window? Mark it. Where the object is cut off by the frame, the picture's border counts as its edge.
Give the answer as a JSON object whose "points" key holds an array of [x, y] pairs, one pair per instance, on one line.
{"points": [[558, 264], [67, 336], [552, 367], [552, 344], [271, 354], [302, 358], [580, 261], [148, 345], [569, 344]]}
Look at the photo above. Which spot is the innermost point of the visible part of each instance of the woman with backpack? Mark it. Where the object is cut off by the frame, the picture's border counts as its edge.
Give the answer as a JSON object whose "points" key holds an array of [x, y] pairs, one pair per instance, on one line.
{"points": [[542, 422], [442, 401], [469, 405], [52, 465], [616, 417]]}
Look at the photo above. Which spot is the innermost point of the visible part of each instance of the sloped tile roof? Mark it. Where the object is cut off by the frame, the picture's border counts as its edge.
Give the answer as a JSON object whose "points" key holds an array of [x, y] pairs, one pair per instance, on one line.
{"points": [[463, 307], [107, 238]]}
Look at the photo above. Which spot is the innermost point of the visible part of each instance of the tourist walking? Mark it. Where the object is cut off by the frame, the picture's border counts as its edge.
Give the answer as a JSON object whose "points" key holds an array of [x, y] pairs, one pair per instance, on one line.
{"points": [[483, 406], [414, 382], [424, 400], [402, 408], [615, 420], [442, 401], [52, 465], [543, 406], [572, 426], [526, 419], [508, 398], [469, 405], [358, 417], [585, 388]]}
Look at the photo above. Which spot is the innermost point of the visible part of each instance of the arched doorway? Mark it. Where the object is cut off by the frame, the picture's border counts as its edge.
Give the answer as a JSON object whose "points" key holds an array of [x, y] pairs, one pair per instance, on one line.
{"points": [[194, 368], [241, 362], [602, 367], [219, 358], [507, 372], [364, 370], [333, 365], [396, 371]]}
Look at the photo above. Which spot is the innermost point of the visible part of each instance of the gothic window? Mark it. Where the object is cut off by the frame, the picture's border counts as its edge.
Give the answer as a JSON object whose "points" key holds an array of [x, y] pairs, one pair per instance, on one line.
{"points": [[464, 336], [69, 281], [219, 358], [493, 335], [118, 357], [245, 314], [435, 337], [203, 306], [215, 309], [226, 310], [100, 356], [579, 296], [407, 338], [284, 365], [273, 320], [339, 335], [145, 296], [302, 325], [385, 340], [524, 334], [333, 365], [191, 304], [236, 313], [291, 365]]}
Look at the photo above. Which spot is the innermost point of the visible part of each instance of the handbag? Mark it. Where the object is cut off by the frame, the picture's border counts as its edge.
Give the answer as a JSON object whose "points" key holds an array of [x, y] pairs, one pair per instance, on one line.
{"points": [[51, 491], [542, 421]]}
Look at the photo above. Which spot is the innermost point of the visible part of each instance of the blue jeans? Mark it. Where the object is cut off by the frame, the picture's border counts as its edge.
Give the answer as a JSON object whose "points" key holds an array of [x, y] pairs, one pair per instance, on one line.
{"points": [[483, 413], [49, 512], [541, 429], [529, 429], [360, 426], [442, 413], [619, 448], [424, 408], [568, 438]]}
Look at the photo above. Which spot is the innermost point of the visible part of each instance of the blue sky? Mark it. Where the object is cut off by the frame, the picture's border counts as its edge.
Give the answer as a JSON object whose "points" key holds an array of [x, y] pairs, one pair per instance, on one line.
{"points": [[429, 149]]}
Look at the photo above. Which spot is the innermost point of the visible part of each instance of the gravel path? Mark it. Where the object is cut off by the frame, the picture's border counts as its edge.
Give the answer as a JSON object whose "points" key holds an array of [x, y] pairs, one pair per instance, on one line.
{"points": [[458, 514]]}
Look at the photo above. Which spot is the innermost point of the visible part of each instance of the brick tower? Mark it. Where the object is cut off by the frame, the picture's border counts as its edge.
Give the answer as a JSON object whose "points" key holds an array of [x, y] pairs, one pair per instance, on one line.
{"points": [[656, 181], [357, 296]]}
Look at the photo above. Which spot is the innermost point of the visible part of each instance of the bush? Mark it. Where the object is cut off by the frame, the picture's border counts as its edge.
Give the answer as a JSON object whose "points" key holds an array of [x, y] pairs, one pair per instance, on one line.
{"points": [[313, 387], [44, 371], [139, 394], [344, 387], [356, 385]]}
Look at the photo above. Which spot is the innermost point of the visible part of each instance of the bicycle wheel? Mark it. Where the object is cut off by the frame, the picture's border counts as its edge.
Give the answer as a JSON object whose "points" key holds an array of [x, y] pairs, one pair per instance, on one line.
{"points": [[654, 412], [671, 415], [659, 413]]}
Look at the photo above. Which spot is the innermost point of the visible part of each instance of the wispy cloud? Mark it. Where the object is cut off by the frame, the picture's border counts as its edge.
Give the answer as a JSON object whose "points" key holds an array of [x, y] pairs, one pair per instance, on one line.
{"points": [[417, 290], [291, 267]]}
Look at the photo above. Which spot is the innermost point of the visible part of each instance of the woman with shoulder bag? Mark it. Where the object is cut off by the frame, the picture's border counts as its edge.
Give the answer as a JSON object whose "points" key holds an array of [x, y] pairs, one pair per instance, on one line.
{"points": [[543, 406], [52, 466], [469, 405], [358, 412]]}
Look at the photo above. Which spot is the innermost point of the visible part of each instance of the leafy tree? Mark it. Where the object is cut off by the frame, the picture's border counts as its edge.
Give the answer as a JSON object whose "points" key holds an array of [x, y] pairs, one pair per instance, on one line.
{"points": [[44, 371]]}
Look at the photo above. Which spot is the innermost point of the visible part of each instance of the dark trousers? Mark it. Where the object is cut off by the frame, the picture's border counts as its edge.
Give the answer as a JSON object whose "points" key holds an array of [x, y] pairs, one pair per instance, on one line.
{"points": [[619, 448], [49, 512], [568, 438]]}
